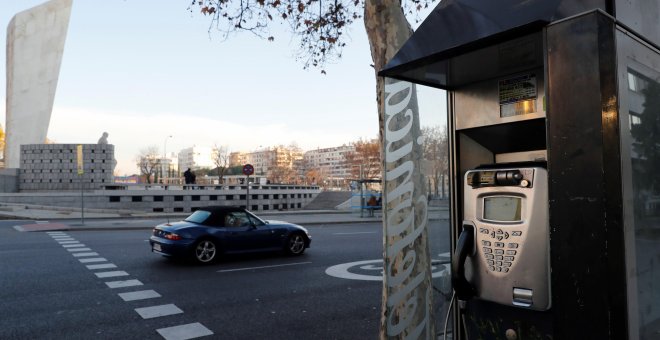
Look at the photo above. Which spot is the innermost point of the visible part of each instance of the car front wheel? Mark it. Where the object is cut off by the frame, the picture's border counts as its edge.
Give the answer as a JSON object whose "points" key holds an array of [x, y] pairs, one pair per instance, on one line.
{"points": [[205, 251], [295, 245]]}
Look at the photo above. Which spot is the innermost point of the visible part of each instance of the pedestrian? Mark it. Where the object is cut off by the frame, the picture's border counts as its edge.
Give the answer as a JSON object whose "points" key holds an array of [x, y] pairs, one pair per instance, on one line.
{"points": [[371, 205], [187, 177]]}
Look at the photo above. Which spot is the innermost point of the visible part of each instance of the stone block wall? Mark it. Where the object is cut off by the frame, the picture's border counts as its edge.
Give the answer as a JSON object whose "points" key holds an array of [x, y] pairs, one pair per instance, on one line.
{"points": [[8, 180], [46, 167], [263, 198]]}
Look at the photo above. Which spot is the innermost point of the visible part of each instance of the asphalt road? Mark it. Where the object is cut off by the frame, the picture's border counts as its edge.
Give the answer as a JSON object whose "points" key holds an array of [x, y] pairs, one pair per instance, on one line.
{"points": [[53, 287]]}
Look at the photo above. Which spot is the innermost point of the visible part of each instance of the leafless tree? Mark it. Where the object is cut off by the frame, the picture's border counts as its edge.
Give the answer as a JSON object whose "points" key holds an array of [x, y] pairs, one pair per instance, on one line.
{"points": [[435, 153], [148, 161], [220, 156]]}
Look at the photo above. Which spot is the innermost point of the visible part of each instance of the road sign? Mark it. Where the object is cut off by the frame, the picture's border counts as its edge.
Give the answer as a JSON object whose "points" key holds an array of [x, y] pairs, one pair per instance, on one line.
{"points": [[248, 169]]}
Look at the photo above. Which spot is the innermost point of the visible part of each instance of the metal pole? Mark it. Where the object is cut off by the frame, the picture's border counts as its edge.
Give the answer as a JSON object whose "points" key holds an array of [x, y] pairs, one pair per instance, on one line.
{"points": [[82, 202], [247, 197]]}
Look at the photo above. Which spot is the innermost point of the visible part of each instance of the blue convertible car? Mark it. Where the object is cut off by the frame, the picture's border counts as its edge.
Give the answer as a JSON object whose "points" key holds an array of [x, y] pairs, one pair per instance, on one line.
{"points": [[211, 231]]}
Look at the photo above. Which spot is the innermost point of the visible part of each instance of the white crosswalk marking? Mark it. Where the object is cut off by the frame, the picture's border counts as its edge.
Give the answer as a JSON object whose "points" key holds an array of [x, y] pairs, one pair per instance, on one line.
{"points": [[183, 332], [101, 266], [74, 245], [139, 295], [85, 254], [122, 284], [158, 311], [111, 274], [78, 249]]}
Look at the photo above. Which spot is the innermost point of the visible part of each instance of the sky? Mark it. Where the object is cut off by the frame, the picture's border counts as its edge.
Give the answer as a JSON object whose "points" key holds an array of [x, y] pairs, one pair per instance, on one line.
{"points": [[144, 70]]}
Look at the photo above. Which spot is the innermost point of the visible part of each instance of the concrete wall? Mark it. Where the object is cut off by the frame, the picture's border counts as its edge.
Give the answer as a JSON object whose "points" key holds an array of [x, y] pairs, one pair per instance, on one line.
{"points": [[54, 167], [262, 198], [35, 44], [8, 180]]}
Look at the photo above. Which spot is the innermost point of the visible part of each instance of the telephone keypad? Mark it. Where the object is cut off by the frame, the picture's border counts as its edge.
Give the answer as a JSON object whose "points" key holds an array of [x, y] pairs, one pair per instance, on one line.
{"points": [[494, 251]]}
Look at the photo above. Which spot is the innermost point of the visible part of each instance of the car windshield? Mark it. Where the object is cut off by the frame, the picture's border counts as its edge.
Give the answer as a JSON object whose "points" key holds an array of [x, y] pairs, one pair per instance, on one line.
{"points": [[256, 220], [198, 216]]}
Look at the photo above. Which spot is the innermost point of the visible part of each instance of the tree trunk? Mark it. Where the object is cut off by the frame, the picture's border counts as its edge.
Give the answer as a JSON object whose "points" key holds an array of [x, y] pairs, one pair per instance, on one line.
{"points": [[407, 304]]}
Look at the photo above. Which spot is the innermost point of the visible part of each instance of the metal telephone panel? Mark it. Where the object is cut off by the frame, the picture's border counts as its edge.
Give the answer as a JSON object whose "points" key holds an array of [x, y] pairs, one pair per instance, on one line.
{"points": [[508, 209]]}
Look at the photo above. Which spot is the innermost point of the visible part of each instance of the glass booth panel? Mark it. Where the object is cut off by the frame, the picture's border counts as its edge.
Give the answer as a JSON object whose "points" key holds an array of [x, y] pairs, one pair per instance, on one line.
{"points": [[639, 74], [416, 207]]}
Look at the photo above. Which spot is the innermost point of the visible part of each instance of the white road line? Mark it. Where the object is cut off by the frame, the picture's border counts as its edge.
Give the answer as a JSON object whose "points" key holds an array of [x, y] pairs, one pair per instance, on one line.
{"points": [[95, 259], [111, 274], [158, 311], [183, 332], [355, 233], [73, 245], [79, 249], [85, 254], [64, 239], [55, 233], [101, 266], [19, 228], [68, 242], [139, 295], [262, 267], [121, 284], [42, 222]]}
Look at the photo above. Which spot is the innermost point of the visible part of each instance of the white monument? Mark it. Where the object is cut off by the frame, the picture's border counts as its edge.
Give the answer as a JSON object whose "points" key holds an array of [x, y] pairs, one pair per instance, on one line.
{"points": [[35, 43]]}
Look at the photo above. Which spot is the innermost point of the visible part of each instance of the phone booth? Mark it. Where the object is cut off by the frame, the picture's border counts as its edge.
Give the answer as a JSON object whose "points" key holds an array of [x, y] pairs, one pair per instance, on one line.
{"points": [[554, 152]]}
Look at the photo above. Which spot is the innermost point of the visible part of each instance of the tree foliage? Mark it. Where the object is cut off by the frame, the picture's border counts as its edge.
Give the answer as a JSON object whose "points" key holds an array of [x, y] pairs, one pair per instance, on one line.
{"points": [[364, 162], [321, 27]]}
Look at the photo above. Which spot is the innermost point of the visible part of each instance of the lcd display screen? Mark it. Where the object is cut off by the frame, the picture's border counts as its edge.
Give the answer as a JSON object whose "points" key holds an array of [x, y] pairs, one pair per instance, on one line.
{"points": [[502, 208]]}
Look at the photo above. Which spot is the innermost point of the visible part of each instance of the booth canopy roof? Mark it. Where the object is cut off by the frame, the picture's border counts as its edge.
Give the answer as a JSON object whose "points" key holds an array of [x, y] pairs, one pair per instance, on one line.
{"points": [[459, 26]]}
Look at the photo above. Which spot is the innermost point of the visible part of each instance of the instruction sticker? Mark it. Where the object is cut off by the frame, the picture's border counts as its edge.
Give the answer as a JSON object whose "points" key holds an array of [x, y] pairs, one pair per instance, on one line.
{"points": [[518, 95], [517, 89]]}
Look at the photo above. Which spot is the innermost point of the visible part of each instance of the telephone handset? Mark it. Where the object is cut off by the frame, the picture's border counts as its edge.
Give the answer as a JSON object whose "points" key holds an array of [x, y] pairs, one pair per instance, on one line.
{"points": [[464, 248], [504, 238]]}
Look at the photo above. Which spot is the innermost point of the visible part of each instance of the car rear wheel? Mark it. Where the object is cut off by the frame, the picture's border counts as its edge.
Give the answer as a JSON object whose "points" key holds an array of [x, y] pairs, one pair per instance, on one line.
{"points": [[295, 245], [205, 251]]}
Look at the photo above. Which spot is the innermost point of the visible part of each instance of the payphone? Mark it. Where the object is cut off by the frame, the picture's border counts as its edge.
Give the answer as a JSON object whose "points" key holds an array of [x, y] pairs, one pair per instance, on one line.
{"points": [[502, 254]]}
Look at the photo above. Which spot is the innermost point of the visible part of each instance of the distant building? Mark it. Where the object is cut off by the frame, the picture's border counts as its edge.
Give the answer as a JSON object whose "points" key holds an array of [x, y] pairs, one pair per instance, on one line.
{"points": [[266, 160], [169, 166], [330, 162], [195, 158]]}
